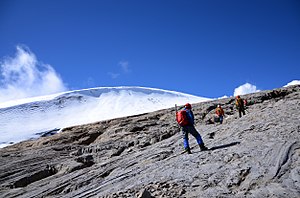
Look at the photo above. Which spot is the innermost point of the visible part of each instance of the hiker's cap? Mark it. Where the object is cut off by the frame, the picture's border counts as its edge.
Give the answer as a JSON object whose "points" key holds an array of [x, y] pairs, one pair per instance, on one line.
{"points": [[188, 106]]}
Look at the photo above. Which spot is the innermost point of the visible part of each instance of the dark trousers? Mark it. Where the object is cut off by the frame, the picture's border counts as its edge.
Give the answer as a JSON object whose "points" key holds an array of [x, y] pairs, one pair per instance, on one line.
{"points": [[241, 110]]}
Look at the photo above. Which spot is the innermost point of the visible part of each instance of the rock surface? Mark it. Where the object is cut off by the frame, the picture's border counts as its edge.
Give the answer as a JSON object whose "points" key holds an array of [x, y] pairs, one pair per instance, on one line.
{"points": [[257, 155]]}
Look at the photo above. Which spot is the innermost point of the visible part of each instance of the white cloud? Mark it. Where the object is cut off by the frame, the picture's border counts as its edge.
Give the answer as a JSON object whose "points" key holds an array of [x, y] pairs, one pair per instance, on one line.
{"points": [[245, 89], [90, 82], [113, 75], [223, 97], [125, 66], [124, 70], [294, 82], [23, 76]]}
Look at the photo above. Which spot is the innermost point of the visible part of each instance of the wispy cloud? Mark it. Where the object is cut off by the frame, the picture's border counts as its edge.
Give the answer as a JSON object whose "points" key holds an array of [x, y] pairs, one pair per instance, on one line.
{"points": [[113, 75], [123, 70], [89, 82], [23, 76], [294, 82], [245, 89], [125, 66]]}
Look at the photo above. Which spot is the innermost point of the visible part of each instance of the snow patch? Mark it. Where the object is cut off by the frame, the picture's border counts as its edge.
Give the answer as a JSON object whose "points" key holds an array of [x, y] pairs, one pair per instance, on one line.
{"points": [[32, 117]]}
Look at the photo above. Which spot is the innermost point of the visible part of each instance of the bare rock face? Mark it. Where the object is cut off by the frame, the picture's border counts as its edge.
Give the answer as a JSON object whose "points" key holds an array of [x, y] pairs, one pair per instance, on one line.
{"points": [[257, 155]]}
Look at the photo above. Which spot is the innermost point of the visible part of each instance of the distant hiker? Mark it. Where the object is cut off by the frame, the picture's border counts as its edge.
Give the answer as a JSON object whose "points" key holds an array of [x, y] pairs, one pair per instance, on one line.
{"points": [[220, 113], [185, 119], [240, 105]]}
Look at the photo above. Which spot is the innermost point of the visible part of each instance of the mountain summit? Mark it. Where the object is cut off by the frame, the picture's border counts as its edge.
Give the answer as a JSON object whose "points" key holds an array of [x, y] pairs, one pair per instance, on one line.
{"points": [[33, 117]]}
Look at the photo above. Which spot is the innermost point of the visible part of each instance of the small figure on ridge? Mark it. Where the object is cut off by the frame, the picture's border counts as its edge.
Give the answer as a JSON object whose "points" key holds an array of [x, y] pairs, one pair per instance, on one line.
{"points": [[220, 113], [239, 102]]}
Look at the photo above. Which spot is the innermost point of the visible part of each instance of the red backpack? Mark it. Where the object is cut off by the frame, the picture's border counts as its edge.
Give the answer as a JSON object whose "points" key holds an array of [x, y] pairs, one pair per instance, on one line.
{"points": [[181, 118]]}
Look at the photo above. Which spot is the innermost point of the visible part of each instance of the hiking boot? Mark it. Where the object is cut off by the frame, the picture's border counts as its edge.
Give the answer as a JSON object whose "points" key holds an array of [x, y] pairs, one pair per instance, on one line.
{"points": [[188, 150], [202, 147]]}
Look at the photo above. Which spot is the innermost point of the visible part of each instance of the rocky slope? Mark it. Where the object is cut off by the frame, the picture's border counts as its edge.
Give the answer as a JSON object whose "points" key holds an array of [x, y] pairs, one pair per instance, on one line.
{"points": [[141, 156]]}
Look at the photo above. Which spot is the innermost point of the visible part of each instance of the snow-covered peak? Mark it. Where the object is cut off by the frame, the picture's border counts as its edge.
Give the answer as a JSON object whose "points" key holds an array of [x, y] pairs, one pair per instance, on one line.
{"points": [[31, 117]]}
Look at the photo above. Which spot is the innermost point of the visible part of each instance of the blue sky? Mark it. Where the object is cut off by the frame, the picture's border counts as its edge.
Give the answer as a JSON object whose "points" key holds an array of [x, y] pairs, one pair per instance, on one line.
{"points": [[204, 48]]}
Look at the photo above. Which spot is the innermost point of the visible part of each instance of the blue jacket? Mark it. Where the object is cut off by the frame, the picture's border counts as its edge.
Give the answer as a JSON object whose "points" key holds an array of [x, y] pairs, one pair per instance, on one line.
{"points": [[190, 116]]}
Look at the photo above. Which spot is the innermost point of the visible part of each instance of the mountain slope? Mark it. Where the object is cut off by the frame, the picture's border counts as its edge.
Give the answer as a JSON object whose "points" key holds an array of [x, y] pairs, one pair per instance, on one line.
{"points": [[253, 156], [50, 113]]}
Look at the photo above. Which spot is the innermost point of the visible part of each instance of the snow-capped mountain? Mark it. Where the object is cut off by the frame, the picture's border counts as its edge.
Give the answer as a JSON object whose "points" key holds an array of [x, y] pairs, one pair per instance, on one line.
{"points": [[33, 117]]}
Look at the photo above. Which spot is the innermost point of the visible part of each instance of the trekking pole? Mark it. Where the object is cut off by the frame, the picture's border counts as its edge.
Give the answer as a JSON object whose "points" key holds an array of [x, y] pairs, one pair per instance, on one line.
{"points": [[176, 111], [176, 116]]}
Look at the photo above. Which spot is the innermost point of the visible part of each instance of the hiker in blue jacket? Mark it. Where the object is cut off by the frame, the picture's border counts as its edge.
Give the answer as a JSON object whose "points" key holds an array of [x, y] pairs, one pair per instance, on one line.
{"points": [[189, 128]]}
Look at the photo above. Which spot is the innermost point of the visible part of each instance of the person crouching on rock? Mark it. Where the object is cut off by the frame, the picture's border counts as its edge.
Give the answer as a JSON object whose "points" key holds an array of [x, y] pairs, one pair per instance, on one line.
{"points": [[220, 113], [189, 128]]}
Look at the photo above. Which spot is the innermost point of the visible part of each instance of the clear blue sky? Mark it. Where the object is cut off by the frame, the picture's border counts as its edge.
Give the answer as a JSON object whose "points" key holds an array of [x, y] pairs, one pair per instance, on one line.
{"points": [[200, 47]]}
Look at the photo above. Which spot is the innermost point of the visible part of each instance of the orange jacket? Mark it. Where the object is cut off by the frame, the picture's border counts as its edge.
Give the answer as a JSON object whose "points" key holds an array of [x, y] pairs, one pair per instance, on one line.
{"points": [[239, 102], [219, 111]]}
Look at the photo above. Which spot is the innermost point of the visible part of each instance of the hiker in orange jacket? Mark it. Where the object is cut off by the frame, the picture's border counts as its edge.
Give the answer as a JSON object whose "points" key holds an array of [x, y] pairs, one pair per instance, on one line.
{"points": [[240, 105], [220, 113]]}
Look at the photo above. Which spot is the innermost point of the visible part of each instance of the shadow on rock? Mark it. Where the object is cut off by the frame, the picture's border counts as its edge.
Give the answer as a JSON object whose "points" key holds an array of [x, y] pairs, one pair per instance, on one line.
{"points": [[224, 146]]}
